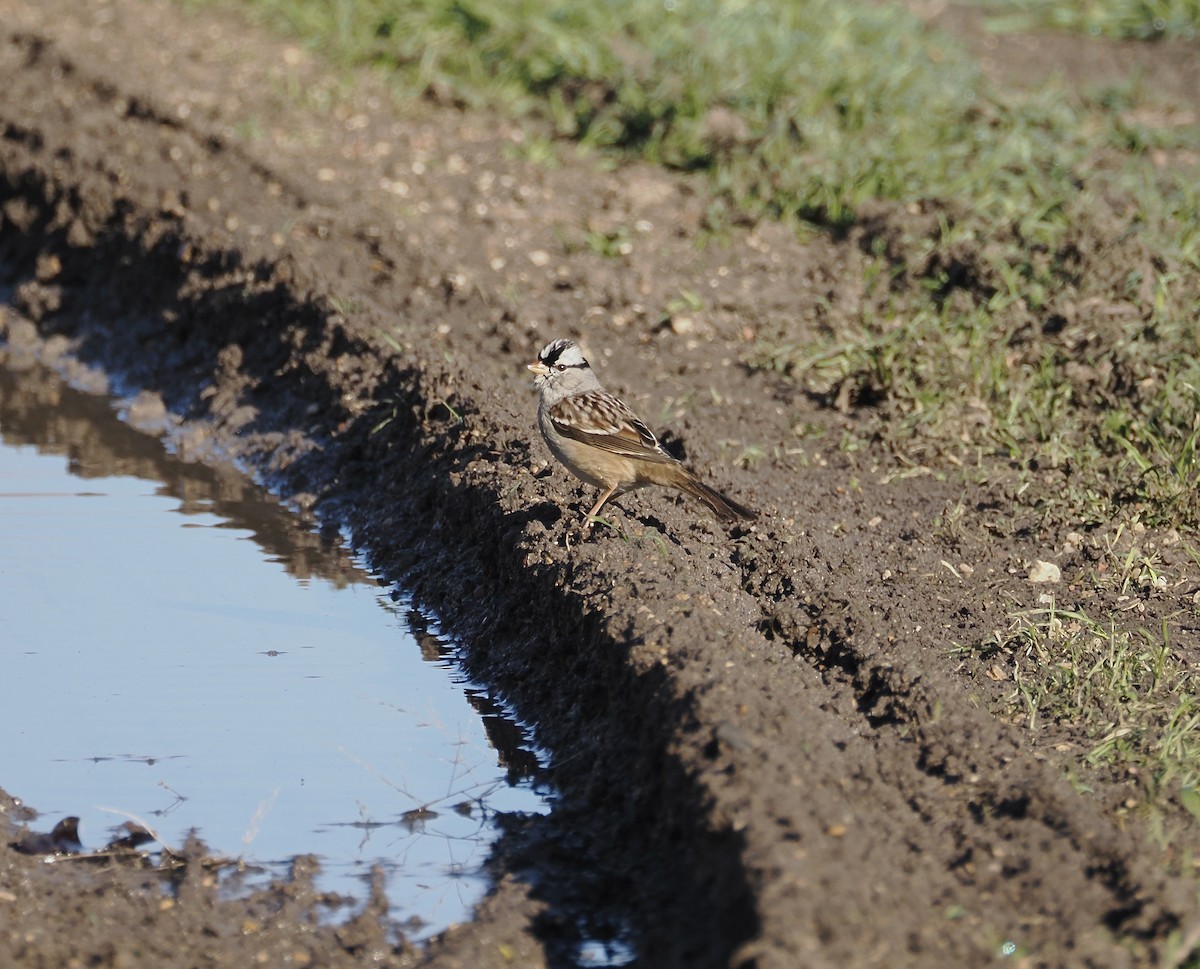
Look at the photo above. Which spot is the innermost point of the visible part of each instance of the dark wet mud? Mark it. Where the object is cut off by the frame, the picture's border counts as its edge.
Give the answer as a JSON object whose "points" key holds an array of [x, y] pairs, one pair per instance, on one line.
{"points": [[768, 749]]}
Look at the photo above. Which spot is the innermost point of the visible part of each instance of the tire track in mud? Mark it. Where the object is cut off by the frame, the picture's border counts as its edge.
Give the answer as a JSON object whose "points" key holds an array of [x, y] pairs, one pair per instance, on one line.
{"points": [[759, 759]]}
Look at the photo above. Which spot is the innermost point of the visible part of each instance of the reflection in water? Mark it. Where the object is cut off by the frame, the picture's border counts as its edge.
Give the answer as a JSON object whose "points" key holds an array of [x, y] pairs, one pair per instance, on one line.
{"points": [[171, 667], [38, 408]]}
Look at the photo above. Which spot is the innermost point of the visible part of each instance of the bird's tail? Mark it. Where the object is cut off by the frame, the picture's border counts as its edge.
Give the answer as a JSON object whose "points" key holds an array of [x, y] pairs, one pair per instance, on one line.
{"points": [[726, 509]]}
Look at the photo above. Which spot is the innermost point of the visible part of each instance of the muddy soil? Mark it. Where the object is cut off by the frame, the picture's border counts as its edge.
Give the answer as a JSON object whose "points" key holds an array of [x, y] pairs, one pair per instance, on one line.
{"points": [[768, 748]]}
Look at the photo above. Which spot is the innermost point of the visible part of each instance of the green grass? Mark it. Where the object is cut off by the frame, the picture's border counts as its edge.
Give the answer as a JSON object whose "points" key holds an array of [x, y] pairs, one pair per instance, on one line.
{"points": [[809, 109], [796, 108], [1124, 19], [1113, 402], [1049, 324], [1118, 685]]}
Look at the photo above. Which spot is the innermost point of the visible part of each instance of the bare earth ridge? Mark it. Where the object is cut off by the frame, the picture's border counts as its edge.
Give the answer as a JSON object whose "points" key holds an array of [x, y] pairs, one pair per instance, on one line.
{"points": [[768, 749]]}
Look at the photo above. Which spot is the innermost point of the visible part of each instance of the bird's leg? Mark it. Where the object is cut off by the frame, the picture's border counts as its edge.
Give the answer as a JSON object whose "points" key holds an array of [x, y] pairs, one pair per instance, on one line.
{"points": [[591, 515]]}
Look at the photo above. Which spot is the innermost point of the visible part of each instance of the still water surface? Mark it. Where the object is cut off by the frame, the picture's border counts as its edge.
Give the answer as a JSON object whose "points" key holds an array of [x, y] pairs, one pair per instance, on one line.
{"points": [[176, 647]]}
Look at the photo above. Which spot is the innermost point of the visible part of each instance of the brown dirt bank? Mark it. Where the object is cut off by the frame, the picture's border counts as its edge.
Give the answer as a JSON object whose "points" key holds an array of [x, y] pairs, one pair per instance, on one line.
{"points": [[767, 753]]}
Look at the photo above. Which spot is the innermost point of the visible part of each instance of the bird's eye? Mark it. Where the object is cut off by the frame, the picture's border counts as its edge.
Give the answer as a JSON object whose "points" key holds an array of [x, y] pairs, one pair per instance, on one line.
{"points": [[560, 367]]}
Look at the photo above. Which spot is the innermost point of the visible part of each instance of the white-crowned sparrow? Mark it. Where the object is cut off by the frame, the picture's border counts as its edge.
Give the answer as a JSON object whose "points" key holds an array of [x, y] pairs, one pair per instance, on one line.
{"points": [[602, 441]]}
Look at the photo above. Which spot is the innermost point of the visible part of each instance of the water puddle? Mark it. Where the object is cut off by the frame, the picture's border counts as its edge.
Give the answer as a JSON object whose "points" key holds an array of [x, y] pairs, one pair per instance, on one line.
{"points": [[177, 648]]}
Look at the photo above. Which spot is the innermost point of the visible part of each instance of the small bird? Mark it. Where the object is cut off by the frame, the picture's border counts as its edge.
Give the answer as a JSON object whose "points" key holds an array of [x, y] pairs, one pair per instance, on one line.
{"points": [[603, 442]]}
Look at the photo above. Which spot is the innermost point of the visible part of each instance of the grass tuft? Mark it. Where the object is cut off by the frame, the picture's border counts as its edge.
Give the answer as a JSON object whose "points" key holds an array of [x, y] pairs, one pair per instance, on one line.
{"points": [[1125, 688], [1122, 19]]}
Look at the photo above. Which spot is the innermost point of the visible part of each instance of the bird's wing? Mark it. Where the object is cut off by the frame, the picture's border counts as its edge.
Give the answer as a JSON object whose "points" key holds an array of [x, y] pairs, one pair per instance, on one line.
{"points": [[605, 422]]}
